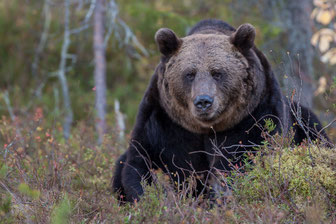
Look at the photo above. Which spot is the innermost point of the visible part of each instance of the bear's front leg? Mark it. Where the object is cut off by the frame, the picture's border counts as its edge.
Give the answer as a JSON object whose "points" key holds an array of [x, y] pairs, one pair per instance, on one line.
{"points": [[136, 170]]}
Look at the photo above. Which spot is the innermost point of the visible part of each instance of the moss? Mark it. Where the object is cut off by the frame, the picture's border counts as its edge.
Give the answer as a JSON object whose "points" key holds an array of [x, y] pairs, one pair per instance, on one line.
{"points": [[297, 177]]}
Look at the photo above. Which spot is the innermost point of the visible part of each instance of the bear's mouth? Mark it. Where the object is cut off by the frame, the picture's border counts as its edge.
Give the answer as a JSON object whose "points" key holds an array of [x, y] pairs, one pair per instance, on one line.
{"points": [[208, 117]]}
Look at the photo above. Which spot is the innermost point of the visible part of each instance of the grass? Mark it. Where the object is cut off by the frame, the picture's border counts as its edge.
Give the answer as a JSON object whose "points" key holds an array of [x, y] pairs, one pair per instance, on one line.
{"points": [[44, 179]]}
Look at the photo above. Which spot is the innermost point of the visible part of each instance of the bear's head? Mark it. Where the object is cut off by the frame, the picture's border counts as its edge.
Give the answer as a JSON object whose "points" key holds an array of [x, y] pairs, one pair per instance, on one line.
{"points": [[210, 79]]}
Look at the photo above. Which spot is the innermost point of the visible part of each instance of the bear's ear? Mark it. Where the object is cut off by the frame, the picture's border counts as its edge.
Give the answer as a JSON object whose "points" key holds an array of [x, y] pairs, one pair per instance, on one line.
{"points": [[167, 41], [244, 36]]}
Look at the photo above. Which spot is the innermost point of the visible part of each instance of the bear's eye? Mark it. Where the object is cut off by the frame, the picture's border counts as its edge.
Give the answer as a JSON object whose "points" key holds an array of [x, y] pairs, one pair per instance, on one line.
{"points": [[190, 76], [216, 75]]}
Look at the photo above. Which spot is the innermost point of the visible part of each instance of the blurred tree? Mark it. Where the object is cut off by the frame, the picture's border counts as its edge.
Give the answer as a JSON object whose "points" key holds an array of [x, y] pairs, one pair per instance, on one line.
{"points": [[62, 71], [43, 39], [325, 38], [34, 37], [100, 68], [291, 51], [298, 28]]}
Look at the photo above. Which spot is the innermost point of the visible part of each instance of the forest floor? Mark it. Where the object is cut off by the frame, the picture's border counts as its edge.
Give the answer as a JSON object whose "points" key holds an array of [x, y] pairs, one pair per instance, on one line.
{"points": [[45, 179]]}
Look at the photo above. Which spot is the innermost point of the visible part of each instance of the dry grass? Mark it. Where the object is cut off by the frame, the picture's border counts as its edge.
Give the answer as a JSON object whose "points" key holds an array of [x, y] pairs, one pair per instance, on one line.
{"points": [[44, 179]]}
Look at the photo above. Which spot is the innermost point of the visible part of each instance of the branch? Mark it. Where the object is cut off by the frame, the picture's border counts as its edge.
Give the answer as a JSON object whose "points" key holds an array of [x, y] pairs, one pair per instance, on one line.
{"points": [[62, 71], [116, 24], [44, 37]]}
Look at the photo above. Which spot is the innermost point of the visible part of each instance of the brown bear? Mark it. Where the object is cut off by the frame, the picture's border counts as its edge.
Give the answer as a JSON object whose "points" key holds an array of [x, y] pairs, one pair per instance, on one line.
{"points": [[211, 92]]}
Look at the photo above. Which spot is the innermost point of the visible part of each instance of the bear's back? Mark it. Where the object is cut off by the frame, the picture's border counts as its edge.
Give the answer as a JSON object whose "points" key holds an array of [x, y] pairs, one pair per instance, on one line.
{"points": [[209, 26]]}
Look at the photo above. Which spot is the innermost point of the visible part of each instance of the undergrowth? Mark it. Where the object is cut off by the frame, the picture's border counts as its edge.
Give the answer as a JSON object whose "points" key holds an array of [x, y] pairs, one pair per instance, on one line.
{"points": [[44, 179]]}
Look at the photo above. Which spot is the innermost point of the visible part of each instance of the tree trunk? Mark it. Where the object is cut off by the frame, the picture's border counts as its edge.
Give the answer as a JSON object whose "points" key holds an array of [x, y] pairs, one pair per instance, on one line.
{"points": [[62, 70], [100, 68], [295, 71], [296, 21]]}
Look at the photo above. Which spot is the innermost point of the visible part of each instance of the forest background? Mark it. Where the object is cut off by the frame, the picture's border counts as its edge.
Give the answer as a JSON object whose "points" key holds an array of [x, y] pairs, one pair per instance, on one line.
{"points": [[32, 42], [72, 74]]}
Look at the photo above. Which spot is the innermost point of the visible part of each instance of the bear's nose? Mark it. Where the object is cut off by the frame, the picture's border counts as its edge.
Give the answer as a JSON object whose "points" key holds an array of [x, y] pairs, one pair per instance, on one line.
{"points": [[203, 102]]}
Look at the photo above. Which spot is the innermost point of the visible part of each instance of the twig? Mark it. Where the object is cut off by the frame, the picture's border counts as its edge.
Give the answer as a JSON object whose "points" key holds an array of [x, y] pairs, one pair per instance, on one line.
{"points": [[325, 127]]}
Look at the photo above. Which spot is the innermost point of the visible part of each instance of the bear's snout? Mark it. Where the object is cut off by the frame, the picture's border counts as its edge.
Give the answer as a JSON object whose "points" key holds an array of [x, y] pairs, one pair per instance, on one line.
{"points": [[203, 102]]}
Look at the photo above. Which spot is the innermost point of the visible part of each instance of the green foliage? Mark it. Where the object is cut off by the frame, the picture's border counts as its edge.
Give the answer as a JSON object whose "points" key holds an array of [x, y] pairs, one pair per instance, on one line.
{"points": [[3, 171], [269, 125], [62, 212], [26, 190], [303, 176], [5, 206]]}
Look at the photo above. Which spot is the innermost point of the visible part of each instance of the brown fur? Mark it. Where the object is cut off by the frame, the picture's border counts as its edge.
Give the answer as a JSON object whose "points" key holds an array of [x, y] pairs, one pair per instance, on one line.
{"points": [[235, 96]]}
